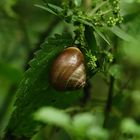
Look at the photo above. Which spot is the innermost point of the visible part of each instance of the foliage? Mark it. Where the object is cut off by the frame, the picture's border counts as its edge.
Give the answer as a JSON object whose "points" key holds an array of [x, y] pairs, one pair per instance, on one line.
{"points": [[107, 32], [81, 126], [35, 88]]}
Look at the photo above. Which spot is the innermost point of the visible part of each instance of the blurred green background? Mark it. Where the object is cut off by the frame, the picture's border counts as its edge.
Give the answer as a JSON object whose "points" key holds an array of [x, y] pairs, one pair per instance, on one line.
{"points": [[24, 27]]}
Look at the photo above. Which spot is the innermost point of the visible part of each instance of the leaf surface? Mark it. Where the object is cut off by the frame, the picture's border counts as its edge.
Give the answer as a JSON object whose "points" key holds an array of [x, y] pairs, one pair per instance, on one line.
{"points": [[35, 91]]}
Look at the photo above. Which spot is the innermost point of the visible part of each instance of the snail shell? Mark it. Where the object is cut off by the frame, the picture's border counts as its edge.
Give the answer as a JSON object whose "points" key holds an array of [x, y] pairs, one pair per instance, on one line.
{"points": [[68, 70]]}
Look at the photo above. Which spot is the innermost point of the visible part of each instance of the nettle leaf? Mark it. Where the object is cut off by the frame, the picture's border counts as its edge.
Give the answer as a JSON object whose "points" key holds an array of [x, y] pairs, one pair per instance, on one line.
{"points": [[90, 38], [101, 35], [53, 116], [121, 34], [35, 91], [53, 9], [83, 121], [46, 9]]}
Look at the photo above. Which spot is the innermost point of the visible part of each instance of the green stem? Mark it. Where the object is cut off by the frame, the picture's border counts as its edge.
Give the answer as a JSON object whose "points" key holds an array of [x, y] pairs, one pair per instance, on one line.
{"points": [[109, 102], [87, 94]]}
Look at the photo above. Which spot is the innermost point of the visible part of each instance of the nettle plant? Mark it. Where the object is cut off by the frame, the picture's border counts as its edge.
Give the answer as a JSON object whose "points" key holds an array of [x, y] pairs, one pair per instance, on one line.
{"points": [[87, 50]]}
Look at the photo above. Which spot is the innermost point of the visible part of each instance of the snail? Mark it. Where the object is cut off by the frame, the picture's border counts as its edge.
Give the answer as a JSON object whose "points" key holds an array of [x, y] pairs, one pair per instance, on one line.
{"points": [[68, 70]]}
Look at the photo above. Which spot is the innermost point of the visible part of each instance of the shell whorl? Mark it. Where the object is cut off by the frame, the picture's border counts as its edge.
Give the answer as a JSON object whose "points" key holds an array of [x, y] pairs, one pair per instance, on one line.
{"points": [[68, 70], [77, 78]]}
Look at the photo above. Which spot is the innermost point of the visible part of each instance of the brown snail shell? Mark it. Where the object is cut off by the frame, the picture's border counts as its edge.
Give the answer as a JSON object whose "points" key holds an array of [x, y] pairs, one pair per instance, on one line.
{"points": [[68, 70]]}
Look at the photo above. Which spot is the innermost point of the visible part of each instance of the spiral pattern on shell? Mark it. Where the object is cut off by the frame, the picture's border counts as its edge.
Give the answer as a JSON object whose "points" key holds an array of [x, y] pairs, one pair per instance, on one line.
{"points": [[68, 70]]}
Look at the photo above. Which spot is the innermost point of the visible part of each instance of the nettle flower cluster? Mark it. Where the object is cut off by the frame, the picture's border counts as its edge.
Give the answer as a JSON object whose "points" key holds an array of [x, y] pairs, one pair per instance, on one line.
{"points": [[116, 18], [99, 14]]}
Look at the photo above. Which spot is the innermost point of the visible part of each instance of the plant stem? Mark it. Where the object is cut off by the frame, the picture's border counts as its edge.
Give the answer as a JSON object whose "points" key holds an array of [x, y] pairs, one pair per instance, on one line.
{"points": [[109, 102], [87, 93]]}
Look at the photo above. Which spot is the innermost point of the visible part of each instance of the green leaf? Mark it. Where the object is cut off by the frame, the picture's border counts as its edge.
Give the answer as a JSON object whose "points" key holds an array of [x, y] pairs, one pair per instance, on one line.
{"points": [[90, 38], [56, 8], [97, 133], [83, 121], [46, 9], [53, 116], [53, 9], [101, 35], [128, 125], [35, 90], [121, 34]]}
